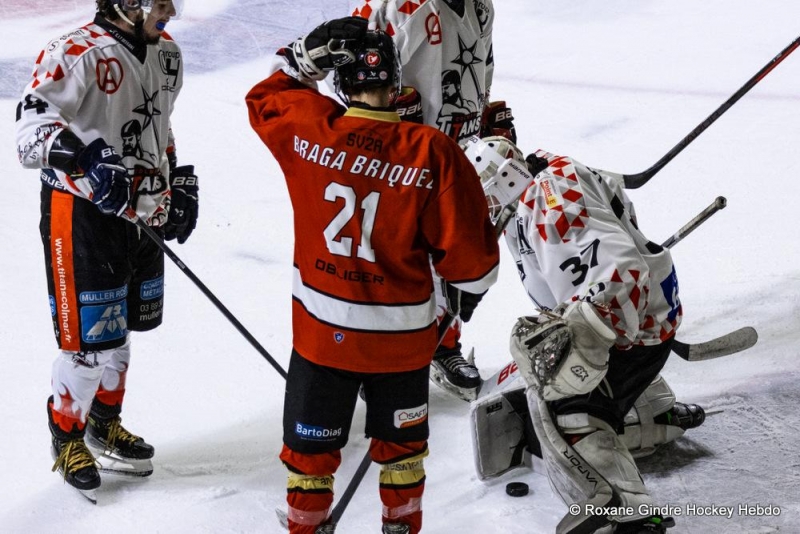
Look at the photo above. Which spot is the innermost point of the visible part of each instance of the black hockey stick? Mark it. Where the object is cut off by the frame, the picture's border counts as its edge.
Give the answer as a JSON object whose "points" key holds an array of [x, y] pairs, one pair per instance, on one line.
{"points": [[207, 292], [725, 345], [634, 181], [718, 204]]}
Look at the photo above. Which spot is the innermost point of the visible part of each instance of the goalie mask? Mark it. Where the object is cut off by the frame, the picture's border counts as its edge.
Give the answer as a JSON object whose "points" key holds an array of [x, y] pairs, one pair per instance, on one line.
{"points": [[376, 64], [502, 170]]}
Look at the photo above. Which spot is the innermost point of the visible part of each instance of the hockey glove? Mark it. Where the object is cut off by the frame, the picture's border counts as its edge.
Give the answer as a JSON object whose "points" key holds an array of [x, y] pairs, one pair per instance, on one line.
{"points": [[326, 47], [497, 120], [462, 303], [409, 105], [535, 164], [183, 209], [108, 178]]}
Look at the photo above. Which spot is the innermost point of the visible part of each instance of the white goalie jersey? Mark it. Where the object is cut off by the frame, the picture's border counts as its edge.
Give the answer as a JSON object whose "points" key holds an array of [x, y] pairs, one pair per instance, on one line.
{"points": [[575, 237], [446, 55], [96, 83]]}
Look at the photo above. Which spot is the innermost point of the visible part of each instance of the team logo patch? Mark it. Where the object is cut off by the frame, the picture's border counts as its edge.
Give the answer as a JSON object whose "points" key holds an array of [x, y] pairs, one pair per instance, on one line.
{"points": [[109, 75], [316, 433], [104, 323], [411, 417], [372, 58], [338, 337]]}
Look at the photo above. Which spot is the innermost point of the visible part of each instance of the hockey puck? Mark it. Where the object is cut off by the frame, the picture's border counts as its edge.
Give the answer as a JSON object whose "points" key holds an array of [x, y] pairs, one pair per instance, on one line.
{"points": [[517, 489]]}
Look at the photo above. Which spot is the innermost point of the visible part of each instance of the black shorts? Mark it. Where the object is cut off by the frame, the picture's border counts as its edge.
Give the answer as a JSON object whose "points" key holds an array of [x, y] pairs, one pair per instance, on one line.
{"points": [[320, 401], [629, 373], [104, 278]]}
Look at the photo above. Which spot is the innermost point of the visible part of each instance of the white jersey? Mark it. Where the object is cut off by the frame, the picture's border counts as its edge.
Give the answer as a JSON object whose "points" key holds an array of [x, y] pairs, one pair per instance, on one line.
{"points": [[575, 237], [445, 55], [98, 84]]}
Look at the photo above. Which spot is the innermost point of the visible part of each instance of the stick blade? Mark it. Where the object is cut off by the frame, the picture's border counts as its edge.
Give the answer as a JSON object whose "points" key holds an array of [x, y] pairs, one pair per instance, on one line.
{"points": [[736, 341]]}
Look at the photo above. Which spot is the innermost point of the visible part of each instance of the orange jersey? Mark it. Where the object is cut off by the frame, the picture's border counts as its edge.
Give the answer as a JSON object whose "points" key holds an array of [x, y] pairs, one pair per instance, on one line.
{"points": [[375, 201]]}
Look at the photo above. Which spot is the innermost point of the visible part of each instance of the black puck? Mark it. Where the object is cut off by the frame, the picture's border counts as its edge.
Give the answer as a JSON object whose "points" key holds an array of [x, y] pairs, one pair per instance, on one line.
{"points": [[517, 489]]}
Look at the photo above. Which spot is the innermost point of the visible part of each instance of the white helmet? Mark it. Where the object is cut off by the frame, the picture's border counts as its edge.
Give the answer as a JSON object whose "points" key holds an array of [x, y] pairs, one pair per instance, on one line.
{"points": [[502, 169], [145, 5]]}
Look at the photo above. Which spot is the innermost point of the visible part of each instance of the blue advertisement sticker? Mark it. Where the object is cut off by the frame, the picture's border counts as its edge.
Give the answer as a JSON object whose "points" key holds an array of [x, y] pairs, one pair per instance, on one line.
{"points": [[104, 323], [152, 289], [107, 295]]}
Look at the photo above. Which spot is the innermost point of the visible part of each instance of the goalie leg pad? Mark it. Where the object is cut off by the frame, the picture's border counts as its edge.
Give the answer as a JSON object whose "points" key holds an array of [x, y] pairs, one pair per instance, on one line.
{"points": [[597, 471], [642, 435], [502, 434]]}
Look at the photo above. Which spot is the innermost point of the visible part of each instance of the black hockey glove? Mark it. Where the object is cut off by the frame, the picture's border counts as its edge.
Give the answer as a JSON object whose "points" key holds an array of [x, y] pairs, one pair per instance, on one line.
{"points": [[461, 302], [326, 47], [498, 120], [183, 209], [535, 164], [108, 178]]}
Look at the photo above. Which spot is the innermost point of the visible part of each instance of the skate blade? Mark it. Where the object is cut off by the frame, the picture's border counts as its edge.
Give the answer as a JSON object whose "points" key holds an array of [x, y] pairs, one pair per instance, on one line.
{"points": [[89, 495], [467, 394], [113, 464]]}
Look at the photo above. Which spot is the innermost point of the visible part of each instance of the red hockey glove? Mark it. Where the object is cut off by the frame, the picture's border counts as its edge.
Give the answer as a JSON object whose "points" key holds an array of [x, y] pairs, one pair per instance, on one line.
{"points": [[409, 105], [498, 120]]}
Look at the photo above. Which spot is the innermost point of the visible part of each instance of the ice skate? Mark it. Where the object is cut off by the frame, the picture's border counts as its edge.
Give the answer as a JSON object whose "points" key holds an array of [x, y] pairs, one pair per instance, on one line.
{"points": [[455, 374], [395, 528], [118, 451], [650, 525], [77, 465], [683, 415], [72, 459]]}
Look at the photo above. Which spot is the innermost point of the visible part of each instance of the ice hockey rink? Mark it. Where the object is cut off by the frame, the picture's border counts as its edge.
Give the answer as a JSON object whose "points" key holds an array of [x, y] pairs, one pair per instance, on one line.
{"points": [[614, 84]]}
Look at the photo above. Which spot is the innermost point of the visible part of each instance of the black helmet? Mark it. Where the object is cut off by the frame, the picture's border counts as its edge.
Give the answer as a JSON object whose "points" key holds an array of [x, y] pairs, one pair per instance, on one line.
{"points": [[376, 64]]}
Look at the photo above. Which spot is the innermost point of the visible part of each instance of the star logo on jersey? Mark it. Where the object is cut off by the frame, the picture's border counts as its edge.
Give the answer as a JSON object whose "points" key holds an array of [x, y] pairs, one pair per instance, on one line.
{"points": [[148, 109], [467, 59]]}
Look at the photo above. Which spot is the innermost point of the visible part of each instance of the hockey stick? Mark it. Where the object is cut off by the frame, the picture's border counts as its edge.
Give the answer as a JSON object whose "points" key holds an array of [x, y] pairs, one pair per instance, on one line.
{"points": [[207, 292], [725, 345], [634, 181], [718, 204]]}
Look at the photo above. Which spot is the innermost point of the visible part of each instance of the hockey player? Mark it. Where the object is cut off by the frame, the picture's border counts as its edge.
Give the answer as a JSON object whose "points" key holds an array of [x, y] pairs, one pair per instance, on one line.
{"points": [[446, 52], [609, 310], [374, 199], [98, 92]]}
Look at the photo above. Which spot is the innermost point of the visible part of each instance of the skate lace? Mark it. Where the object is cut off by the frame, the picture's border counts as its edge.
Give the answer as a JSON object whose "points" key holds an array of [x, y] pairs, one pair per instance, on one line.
{"points": [[117, 432], [454, 362], [74, 456]]}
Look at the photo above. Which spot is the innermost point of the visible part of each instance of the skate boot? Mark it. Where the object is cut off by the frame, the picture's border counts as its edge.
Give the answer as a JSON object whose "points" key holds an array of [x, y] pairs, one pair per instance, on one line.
{"points": [[118, 451], [72, 459], [395, 528], [651, 525], [453, 373], [685, 416]]}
